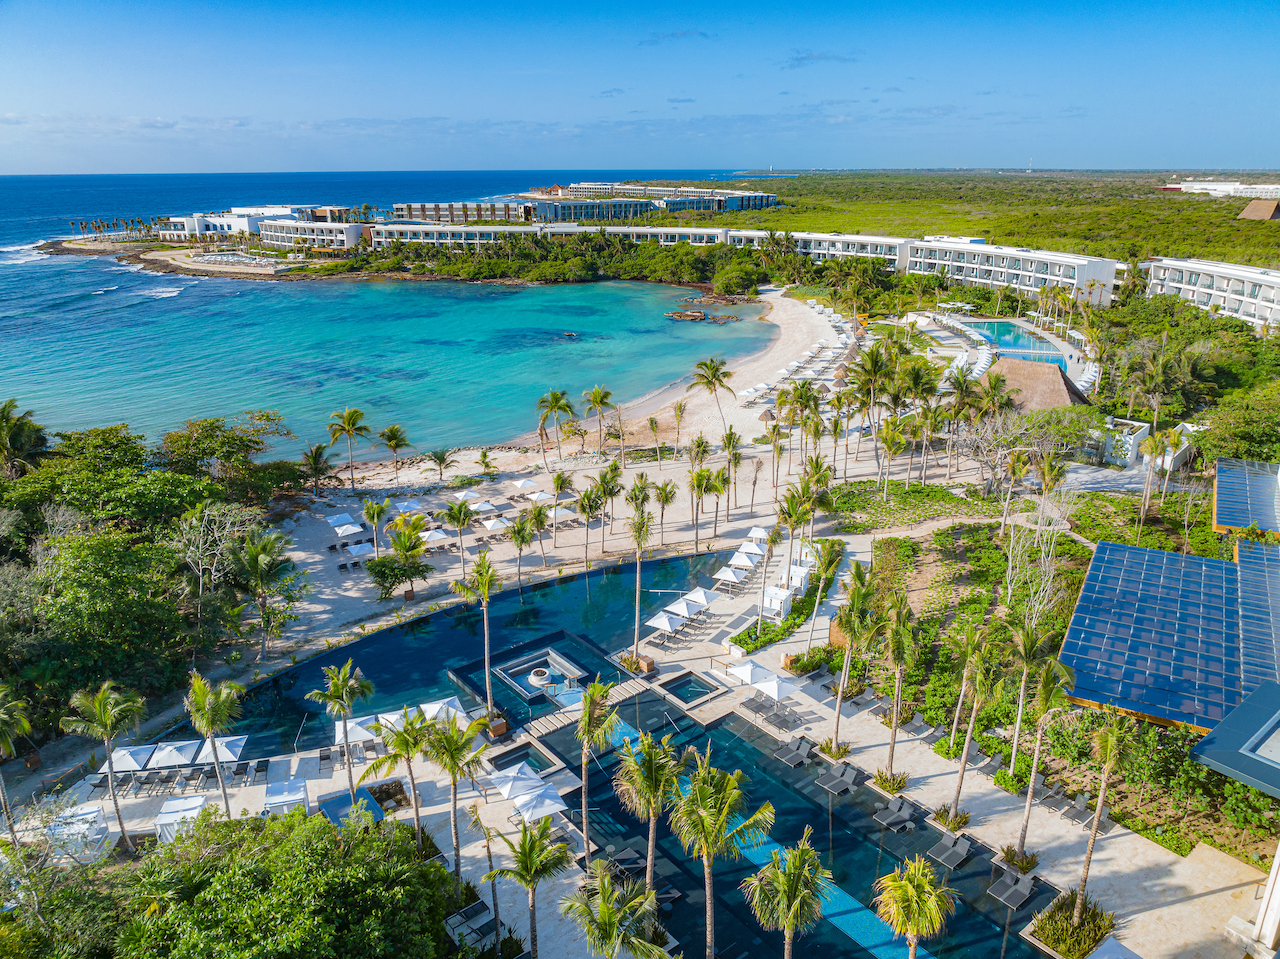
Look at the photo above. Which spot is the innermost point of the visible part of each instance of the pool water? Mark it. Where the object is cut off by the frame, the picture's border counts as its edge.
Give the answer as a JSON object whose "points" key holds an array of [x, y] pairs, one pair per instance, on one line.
{"points": [[1020, 344], [853, 846], [689, 688], [538, 761]]}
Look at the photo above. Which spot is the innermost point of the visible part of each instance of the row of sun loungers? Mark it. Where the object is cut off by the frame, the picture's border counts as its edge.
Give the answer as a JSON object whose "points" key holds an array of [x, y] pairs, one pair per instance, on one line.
{"points": [[772, 712], [154, 780], [629, 864]]}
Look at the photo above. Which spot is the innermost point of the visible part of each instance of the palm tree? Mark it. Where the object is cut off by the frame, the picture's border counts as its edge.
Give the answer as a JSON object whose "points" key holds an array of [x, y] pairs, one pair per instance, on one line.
{"points": [[404, 743], [1027, 651], [213, 710], [912, 903], [985, 687], [657, 447], [539, 520], [1112, 747], [349, 424], [596, 725], [449, 746], [375, 513], [13, 723], [678, 410], [709, 820], [863, 630], [560, 483], [459, 515], [395, 439], [22, 440], [664, 494], [442, 460], [590, 504], [260, 565], [640, 524], [484, 582], [599, 401], [787, 892], [521, 534], [899, 656], [343, 688], [537, 859], [646, 784], [711, 375], [613, 919], [771, 542], [699, 483], [317, 465], [963, 648], [555, 405], [473, 812], [1048, 701], [106, 714]]}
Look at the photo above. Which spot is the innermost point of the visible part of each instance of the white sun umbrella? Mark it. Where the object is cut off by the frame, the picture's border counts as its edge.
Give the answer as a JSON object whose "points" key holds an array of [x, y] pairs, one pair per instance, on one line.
{"points": [[339, 519], [683, 607], [562, 513], [433, 535], [357, 731], [807, 353], [728, 574], [539, 805], [228, 749], [757, 534], [793, 364], [497, 523], [749, 672], [751, 549], [442, 709], [539, 496], [127, 759], [484, 506], [704, 596], [750, 392], [391, 721], [174, 754], [361, 549], [666, 622], [782, 374], [408, 505], [743, 561], [775, 687], [523, 483], [466, 494], [348, 529], [518, 780]]}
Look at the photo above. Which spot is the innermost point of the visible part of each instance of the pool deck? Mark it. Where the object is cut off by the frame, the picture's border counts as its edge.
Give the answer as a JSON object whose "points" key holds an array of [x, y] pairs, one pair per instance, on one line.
{"points": [[1071, 352]]}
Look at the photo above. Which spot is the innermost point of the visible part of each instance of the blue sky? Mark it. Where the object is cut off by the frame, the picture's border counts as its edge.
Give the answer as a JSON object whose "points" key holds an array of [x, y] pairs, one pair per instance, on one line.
{"points": [[190, 87]]}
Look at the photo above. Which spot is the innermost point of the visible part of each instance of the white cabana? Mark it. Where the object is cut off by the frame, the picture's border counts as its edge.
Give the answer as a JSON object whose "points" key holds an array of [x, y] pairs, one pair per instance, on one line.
{"points": [[81, 831], [347, 529], [743, 561], [704, 596], [497, 523], [683, 607], [777, 602], [749, 672], [442, 709], [466, 494], [358, 731], [666, 622], [408, 505], [751, 549], [539, 496], [339, 519], [177, 815], [175, 754], [433, 535], [757, 534], [361, 549], [523, 483], [775, 687], [539, 805], [229, 749], [484, 506], [727, 574], [797, 578], [286, 795], [128, 759], [518, 780]]}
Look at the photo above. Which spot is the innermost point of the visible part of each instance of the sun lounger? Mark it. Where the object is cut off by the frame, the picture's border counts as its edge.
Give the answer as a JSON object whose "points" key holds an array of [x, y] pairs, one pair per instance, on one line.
{"points": [[896, 815], [333, 547], [785, 719], [992, 766], [481, 937], [1105, 824], [879, 709], [240, 772], [1013, 889], [1079, 810], [942, 847], [951, 851], [795, 752], [912, 727], [839, 778], [260, 768], [757, 703], [863, 698], [141, 782], [342, 567], [933, 736], [1037, 784], [668, 893], [478, 911], [99, 783]]}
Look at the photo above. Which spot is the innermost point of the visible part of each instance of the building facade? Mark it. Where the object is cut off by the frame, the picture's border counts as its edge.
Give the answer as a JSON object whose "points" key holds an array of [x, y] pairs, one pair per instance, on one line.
{"points": [[205, 226], [457, 212], [1247, 292], [1219, 188], [974, 262], [296, 234]]}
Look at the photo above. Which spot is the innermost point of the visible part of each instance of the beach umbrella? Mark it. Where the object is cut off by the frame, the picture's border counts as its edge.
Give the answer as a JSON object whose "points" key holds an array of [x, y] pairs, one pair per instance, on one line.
{"points": [[839, 383], [793, 364], [523, 483], [762, 387], [743, 561], [339, 519], [666, 622], [466, 494], [751, 549], [408, 505], [539, 805], [348, 529], [758, 534], [539, 496], [227, 748], [562, 513], [129, 759], [683, 607], [749, 392], [823, 388], [766, 417], [704, 596], [807, 353], [749, 672], [361, 549], [389, 722], [484, 506], [782, 374], [174, 754], [442, 709], [729, 575], [775, 687], [497, 523], [357, 731], [519, 780], [433, 535]]}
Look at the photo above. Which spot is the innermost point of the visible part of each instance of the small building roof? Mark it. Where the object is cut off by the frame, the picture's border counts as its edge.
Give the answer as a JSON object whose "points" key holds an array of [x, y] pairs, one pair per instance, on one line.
{"points": [[1040, 386], [1261, 210], [1246, 745]]}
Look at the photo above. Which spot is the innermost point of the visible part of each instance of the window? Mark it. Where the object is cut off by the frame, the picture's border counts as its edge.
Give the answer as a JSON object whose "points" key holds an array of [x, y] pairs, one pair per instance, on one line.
{"points": [[1253, 290], [1193, 279], [1015, 264]]}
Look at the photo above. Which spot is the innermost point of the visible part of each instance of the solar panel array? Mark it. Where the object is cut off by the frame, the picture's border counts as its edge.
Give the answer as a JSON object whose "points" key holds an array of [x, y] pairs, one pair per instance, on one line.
{"points": [[1158, 633], [1259, 567], [1245, 493]]}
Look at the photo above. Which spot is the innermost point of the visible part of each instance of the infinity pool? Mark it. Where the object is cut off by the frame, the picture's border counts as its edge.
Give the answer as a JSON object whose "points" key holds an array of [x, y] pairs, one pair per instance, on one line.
{"points": [[1021, 344]]}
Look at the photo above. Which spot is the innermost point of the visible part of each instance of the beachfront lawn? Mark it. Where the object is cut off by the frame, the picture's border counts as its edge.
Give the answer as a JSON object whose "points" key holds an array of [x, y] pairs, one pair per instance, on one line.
{"points": [[862, 507]]}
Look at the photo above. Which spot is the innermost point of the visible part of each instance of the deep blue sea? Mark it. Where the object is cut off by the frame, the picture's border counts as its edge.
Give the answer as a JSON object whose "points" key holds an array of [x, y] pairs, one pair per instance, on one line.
{"points": [[86, 341]]}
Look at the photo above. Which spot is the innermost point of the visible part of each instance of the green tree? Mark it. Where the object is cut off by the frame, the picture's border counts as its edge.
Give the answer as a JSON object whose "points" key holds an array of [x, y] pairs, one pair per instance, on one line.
{"points": [[442, 460], [344, 687], [459, 515], [664, 494], [599, 401], [483, 583], [646, 782], [405, 741], [395, 439], [1112, 748], [13, 723], [22, 440], [709, 818], [899, 656], [450, 747], [712, 376], [213, 711], [348, 425], [473, 815], [613, 918], [640, 525], [521, 534], [1028, 650], [375, 513], [912, 903], [266, 572], [107, 715], [555, 405], [537, 860], [986, 686], [787, 892], [317, 465], [596, 725], [1048, 702], [561, 483]]}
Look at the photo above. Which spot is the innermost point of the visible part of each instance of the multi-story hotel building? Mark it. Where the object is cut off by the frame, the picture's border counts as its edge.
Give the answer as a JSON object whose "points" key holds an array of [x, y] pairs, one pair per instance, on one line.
{"points": [[238, 219], [1248, 292], [296, 234], [974, 262]]}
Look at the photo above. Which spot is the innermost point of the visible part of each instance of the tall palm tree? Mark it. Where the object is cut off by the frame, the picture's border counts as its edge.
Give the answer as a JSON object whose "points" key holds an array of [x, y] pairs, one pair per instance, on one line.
{"points": [[560, 483], [899, 656], [640, 524], [1048, 701], [344, 687], [473, 813], [596, 725], [678, 410], [349, 424], [912, 903], [459, 515], [521, 534], [375, 513], [260, 564], [646, 784], [1027, 651], [107, 715], [599, 401], [963, 647], [709, 818], [395, 439], [555, 405], [317, 465], [712, 376], [213, 711], [613, 918], [771, 542], [700, 482], [664, 494], [22, 440], [405, 741], [442, 459], [1112, 747], [657, 446], [863, 630], [537, 859], [539, 519], [450, 747], [788, 890], [480, 587], [13, 723], [794, 510], [986, 686], [590, 503]]}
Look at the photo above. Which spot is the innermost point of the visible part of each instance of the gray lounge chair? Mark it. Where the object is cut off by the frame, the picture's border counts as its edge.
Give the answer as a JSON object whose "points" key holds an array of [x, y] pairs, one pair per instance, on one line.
{"points": [[992, 766], [933, 736], [1004, 885], [1078, 811], [977, 759], [1105, 824], [1017, 892], [466, 917], [954, 856], [1054, 795], [838, 779], [912, 727], [863, 698], [1037, 784], [795, 752], [942, 847], [896, 815]]}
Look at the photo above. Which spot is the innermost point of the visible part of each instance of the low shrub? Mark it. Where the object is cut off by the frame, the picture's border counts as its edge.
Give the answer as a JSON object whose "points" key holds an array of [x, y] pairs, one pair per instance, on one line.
{"points": [[1007, 782], [890, 784], [954, 823], [835, 752], [1054, 928], [1023, 863]]}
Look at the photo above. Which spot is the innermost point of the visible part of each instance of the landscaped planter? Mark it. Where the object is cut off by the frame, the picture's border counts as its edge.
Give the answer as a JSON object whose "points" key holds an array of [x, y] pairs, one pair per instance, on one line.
{"points": [[1025, 933], [930, 820], [871, 783]]}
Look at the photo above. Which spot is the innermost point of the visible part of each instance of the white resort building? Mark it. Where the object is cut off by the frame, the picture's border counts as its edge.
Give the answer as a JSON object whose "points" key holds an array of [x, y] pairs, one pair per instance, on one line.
{"points": [[238, 219], [291, 234], [1247, 292]]}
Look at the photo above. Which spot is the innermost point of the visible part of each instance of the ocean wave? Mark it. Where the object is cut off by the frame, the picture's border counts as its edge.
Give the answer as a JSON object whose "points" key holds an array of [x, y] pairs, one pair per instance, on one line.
{"points": [[105, 290], [160, 293], [20, 253], [125, 268]]}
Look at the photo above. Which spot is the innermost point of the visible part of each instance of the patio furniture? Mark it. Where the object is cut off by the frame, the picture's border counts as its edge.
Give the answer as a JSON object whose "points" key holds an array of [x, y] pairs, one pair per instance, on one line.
{"points": [[261, 768], [954, 856], [795, 752], [123, 781], [1053, 799], [333, 547], [168, 779], [240, 772], [371, 750], [355, 564], [992, 766], [732, 951], [326, 756], [1105, 824], [342, 567], [478, 937], [208, 774], [895, 815], [912, 727], [784, 718], [99, 783], [933, 736], [1012, 889], [468, 916], [977, 759], [1079, 810], [190, 777], [879, 709], [839, 779]]}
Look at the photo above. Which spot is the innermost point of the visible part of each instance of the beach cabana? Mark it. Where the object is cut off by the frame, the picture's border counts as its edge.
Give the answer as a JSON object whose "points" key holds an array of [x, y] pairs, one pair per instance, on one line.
{"points": [[228, 749], [466, 494], [743, 561], [175, 754], [442, 709], [286, 795], [749, 672], [339, 519], [535, 806], [727, 574], [704, 596], [766, 417], [775, 687], [408, 505], [777, 602], [357, 731], [683, 607], [81, 832], [128, 759], [347, 529], [519, 780], [177, 815], [523, 483], [361, 549], [666, 622]]}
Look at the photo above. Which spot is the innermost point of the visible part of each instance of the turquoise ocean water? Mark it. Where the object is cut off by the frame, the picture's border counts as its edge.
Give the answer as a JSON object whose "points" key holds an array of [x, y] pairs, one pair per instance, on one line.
{"points": [[89, 342]]}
